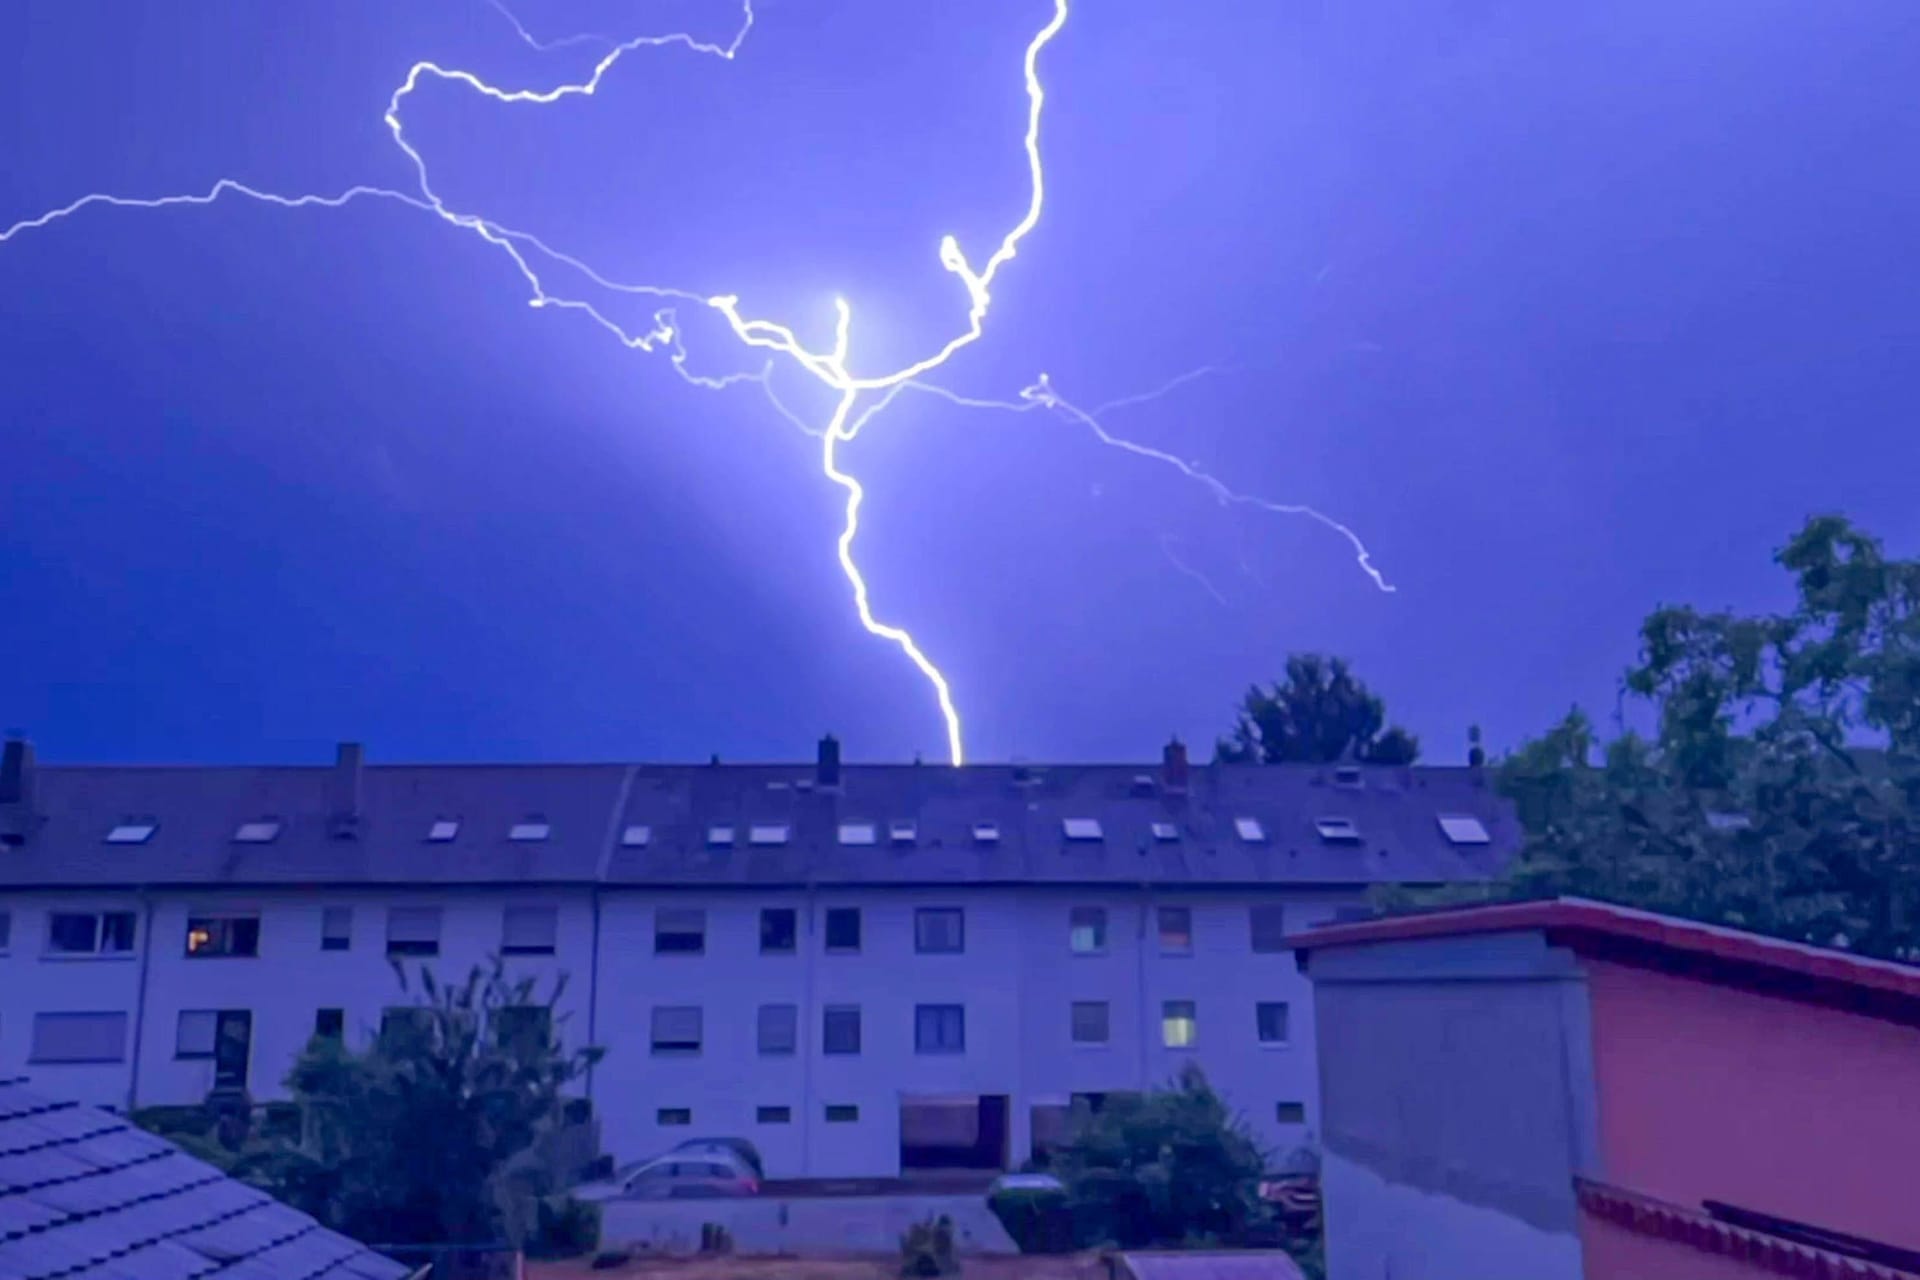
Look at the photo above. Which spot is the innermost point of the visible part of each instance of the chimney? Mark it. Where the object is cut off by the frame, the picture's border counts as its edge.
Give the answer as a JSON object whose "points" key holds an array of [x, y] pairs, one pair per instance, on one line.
{"points": [[343, 800], [826, 771], [1173, 766], [16, 791]]}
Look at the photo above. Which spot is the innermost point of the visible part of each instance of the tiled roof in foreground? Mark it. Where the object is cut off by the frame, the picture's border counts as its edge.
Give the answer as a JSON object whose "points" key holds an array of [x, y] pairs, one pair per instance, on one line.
{"points": [[86, 1195]]}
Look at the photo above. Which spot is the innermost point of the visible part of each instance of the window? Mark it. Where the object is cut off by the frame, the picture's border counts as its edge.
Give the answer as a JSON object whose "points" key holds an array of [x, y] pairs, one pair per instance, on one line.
{"points": [[843, 928], [939, 930], [443, 830], [1268, 926], [261, 832], [223, 936], [986, 833], [1087, 930], [842, 1113], [679, 931], [1270, 1021], [857, 833], [1290, 1112], [779, 1029], [1337, 830], [1081, 828], [1460, 828], [330, 1024], [194, 1036], [6, 930], [1250, 830], [223, 1036], [89, 933], [533, 828], [336, 928], [779, 930], [1165, 832], [840, 1029], [720, 837], [1089, 1021], [1176, 930], [403, 1024], [903, 831], [773, 1115], [413, 931], [132, 832], [767, 833], [939, 1028], [676, 1029], [673, 1116], [529, 931], [79, 1037], [1177, 1024], [637, 837], [524, 1027]]}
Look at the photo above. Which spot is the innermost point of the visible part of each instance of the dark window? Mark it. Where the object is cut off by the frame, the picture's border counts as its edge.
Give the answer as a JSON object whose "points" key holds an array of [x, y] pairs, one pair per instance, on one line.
{"points": [[336, 928], [779, 1029], [86, 933], [673, 1115], [6, 930], [116, 932], [330, 1024], [842, 1113], [527, 1027], [773, 1115], [1290, 1112], [1089, 1021], [843, 928], [413, 931], [840, 1028], [679, 931], [779, 930], [939, 1028], [1087, 930], [233, 1049], [1269, 928], [529, 931], [401, 1025], [939, 930], [1270, 1021], [223, 936], [1176, 930], [677, 1029]]}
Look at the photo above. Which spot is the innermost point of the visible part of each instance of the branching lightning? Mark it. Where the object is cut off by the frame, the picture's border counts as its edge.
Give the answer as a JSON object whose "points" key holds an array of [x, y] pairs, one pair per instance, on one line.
{"points": [[859, 397]]}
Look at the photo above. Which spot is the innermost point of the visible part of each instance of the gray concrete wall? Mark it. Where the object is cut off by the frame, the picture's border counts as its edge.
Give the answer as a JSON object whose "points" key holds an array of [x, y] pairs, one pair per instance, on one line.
{"points": [[825, 1224]]}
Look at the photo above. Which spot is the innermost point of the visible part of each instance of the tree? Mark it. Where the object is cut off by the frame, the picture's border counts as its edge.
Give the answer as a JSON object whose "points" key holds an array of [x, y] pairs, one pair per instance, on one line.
{"points": [[1780, 787], [1318, 715], [433, 1134]]}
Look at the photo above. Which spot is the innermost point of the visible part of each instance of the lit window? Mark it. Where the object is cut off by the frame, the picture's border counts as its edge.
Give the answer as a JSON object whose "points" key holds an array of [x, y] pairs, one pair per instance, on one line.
{"points": [[901, 831], [1081, 828], [1460, 828], [1178, 1026], [132, 833], [443, 830], [223, 935], [636, 837], [257, 832], [1165, 832], [1250, 830], [719, 836], [986, 832], [857, 833], [531, 829], [1270, 1021], [1337, 830], [768, 833], [1087, 930]]}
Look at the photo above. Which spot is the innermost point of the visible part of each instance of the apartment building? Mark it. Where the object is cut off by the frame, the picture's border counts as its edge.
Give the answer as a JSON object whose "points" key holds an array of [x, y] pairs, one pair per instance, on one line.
{"points": [[862, 968]]}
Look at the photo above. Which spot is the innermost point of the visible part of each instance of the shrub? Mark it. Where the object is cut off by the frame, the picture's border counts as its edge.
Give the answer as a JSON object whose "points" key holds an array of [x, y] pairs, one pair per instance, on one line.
{"points": [[927, 1250], [1039, 1220], [564, 1228]]}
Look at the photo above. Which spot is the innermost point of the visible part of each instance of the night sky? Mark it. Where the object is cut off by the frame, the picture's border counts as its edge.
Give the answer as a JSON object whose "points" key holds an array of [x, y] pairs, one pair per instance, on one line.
{"points": [[1568, 310]]}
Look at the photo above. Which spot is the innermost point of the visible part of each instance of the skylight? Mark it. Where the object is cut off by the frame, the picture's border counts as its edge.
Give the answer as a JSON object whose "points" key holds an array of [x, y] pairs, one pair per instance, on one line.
{"points": [[1461, 828], [1165, 832], [902, 831], [637, 837], [1722, 821], [132, 833], [1081, 828], [986, 832], [443, 830], [768, 833], [1337, 830], [257, 832], [857, 833], [719, 835], [531, 829], [1249, 829]]}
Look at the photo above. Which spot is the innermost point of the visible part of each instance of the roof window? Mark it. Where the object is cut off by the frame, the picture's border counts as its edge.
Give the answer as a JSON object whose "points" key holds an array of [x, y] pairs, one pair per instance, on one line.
{"points": [[986, 833], [1081, 828], [766, 833], [1250, 830], [637, 837], [131, 832], [1337, 830], [1462, 828], [1165, 832], [443, 830], [903, 831], [534, 828], [857, 833], [261, 832], [719, 835]]}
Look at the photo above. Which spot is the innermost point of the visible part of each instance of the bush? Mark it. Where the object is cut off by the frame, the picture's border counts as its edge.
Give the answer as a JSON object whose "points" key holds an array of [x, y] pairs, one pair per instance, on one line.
{"points": [[927, 1250], [1039, 1221], [564, 1228]]}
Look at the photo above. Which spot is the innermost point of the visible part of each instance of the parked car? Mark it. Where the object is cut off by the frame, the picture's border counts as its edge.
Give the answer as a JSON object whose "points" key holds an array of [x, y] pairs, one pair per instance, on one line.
{"points": [[747, 1153], [1025, 1182], [677, 1175]]}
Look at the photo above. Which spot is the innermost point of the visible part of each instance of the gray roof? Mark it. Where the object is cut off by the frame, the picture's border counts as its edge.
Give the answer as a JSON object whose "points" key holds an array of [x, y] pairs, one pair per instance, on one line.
{"points": [[85, 1194], [198, 809]]}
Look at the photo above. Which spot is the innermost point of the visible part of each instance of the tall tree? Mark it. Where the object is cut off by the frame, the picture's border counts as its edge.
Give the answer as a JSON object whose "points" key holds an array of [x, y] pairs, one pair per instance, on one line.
{"points": [[1318, 714]]}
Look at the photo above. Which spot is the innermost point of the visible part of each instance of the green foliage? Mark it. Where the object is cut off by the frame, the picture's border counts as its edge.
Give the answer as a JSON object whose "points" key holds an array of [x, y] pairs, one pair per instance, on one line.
{"points": [[1319, 714], [1160, 1167], [1780, 788], [564, 1228], [1039, 1220], [926, 1249], [431, 1135]]}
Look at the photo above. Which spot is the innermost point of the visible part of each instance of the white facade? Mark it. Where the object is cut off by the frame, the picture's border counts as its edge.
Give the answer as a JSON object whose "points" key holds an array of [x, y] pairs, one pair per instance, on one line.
{"points": [[1017, 977]]}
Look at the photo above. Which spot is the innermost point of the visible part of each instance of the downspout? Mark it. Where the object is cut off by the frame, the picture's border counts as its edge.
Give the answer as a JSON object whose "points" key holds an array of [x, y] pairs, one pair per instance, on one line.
{"points": [[140, 998], [804, 1042], [607, 846]]}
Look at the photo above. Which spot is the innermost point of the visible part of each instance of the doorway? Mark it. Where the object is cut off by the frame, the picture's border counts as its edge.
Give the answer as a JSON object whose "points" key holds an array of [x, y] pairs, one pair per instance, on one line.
{"points": [[961, 1131]]}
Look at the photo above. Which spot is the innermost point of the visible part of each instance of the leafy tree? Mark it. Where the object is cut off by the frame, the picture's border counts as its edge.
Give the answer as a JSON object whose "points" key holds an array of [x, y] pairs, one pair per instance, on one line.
{"points": [[1779, 788], [1319, 714]]}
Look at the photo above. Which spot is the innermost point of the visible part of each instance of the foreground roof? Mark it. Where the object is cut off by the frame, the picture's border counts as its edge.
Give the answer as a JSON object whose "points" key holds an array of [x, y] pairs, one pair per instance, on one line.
{"points": [[656, 825], [85, 1194]]}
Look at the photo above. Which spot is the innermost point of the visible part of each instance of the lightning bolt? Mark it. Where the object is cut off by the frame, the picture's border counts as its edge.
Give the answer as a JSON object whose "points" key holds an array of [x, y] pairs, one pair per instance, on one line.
{"points": [[859, 397]]}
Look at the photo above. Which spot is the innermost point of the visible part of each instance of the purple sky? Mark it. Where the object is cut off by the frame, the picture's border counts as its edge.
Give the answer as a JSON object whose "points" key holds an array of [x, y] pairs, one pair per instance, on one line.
{"points": [[1569, 310]]}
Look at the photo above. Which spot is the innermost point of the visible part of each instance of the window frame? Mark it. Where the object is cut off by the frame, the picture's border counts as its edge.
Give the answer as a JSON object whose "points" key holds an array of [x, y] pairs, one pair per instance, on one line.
{"points": [[36, 1056], [1169, 1018], [408, 947], [842, 915], [677, 1047], [772, 1114], [1160, 915], [330, 916], [99, 935], [847, 1014], [525, 911], [1260, 1010], [939, 1019], [1074, 1009], [925, 915], [698, 938], [792, 916], [1274, 915], [841, 1113], [224, 933], [1099, 918], [761, 1043]]}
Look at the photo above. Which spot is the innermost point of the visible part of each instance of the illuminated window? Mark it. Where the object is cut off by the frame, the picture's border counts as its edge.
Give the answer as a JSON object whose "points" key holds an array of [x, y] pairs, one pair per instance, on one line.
{"points": [[1087, 930], [223, 936], [443, 830], [637, 837], [531, 829], [262, 832], [1081, 828], [1165, 832], [1250, 830], [132, 833], [1460, 828], [1177, 1024]]}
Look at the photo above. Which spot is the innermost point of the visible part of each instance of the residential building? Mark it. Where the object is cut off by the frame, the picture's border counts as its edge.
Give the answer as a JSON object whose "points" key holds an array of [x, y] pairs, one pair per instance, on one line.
{"points": [[1567, 1090], [861, 968]]}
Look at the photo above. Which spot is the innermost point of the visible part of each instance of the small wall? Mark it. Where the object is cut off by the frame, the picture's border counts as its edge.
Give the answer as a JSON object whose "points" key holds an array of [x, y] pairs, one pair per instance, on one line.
{"points": [[837, 1224]]}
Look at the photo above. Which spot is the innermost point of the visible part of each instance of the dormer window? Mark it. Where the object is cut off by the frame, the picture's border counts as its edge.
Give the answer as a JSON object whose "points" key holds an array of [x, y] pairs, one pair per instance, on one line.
{"points": [[261, 832], [901, 831], [1081, 829], [530, 830], [132, 832], [1337, 830], [1250, 830]]}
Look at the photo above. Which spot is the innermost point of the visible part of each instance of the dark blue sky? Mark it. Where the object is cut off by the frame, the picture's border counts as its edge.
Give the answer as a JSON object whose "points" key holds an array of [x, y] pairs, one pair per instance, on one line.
{"points": [[1570, 310]]}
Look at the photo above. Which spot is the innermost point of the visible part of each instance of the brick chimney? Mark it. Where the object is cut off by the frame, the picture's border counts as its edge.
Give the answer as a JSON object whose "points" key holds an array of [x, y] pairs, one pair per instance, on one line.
{"points": [[17, 815], [1173, 767], [344, 812], [826, 773]]}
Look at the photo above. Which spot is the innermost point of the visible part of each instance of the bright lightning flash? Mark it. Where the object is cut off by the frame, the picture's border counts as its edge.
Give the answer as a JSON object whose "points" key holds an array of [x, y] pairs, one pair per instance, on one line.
{"points": [[868, 393]]}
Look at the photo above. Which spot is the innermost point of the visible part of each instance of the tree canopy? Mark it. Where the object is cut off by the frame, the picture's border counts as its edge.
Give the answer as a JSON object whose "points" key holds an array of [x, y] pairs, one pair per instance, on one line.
{"points": [[1320, 713]]}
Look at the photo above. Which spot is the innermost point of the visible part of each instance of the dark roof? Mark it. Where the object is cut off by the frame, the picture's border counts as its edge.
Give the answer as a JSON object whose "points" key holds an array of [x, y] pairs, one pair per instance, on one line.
{"points": [[85, 1194], [1584, 924], [198, 809]]}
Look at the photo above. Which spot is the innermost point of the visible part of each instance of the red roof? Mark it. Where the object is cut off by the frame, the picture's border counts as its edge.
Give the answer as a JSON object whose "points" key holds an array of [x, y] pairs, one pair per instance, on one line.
{"points": [[1588, 925]]}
